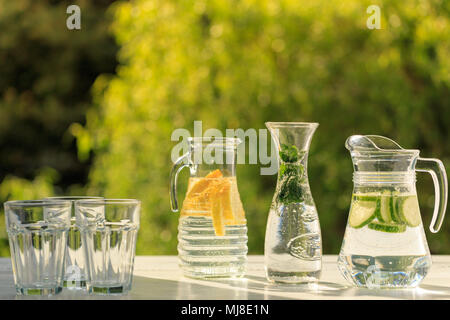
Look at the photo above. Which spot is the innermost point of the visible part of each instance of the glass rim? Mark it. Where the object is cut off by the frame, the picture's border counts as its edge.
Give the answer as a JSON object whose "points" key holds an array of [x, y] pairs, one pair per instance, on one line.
{"points": [[381, 152], [285, 124], [106, 201], [36, 203], [375, 149], [72, 198]]}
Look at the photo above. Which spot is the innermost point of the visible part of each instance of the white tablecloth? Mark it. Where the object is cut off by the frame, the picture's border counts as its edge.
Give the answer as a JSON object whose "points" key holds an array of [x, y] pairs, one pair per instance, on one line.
{"points": [[158, 277]]}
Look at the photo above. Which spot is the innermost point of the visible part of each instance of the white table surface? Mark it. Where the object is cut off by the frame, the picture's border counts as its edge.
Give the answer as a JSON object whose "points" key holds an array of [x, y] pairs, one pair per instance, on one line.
{"points": [[158, 277]]}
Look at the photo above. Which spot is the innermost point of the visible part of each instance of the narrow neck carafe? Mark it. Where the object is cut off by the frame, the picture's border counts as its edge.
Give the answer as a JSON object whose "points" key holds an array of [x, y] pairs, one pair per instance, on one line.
{"points": [[292, 141], [293, 244]]}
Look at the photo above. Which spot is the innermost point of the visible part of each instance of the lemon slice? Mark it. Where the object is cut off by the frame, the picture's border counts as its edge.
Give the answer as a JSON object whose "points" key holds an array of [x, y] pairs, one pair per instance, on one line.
{"points": [[217, 215], [197, 202], [215, 196], [202, 184]]}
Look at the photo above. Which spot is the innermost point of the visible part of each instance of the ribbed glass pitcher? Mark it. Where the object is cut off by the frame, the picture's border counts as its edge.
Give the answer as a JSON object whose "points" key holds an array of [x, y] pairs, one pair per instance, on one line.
{"points": [[384, 244], [212, 230]]}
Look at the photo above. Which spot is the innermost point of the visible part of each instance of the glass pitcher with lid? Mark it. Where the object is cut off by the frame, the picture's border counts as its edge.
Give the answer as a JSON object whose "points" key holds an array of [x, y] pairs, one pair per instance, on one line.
{"points": [[212, 229], [384, 244]]}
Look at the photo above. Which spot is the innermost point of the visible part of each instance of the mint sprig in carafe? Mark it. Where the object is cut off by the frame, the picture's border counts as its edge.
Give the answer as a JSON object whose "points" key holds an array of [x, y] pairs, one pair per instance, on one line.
{"points": [[293, 246]]}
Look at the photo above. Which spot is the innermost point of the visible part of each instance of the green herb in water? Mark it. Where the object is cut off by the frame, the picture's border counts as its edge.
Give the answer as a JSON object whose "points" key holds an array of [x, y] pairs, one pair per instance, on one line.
{"points": [[289, 154], [291, 175]]}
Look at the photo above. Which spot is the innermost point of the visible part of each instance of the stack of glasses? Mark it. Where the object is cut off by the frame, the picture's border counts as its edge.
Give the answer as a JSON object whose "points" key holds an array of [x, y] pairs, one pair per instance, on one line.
{"points": [[81, 243]]}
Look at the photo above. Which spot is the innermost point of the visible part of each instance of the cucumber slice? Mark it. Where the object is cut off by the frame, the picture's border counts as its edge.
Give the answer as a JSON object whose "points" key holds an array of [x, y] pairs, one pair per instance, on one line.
{"points": [[394, 208], [370, 196], [385, 227], [384, 214], [409, 211], [361, 213]]}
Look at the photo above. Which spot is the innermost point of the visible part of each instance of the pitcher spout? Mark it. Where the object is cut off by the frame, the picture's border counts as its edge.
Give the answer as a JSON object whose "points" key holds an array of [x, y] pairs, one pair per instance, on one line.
{"points": [[375, 153]]}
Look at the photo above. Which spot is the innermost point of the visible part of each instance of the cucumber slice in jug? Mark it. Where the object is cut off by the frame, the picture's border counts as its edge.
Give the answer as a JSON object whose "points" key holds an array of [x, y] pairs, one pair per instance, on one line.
{"points": [[386, 207], [361, 213], [386, 227], [395, 217], [409, 211], [369, 196]]}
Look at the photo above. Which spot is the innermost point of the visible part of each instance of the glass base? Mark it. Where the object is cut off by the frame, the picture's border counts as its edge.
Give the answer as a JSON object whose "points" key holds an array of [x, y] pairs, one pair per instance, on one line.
{"points": [[38, 291], [384, 272], [213, 272], [293, 277], [108, 290]]}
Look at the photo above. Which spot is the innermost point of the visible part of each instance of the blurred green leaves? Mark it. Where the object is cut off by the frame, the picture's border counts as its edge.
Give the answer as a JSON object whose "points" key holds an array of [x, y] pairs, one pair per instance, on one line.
{"points": [[237, 64], [46, 72]]}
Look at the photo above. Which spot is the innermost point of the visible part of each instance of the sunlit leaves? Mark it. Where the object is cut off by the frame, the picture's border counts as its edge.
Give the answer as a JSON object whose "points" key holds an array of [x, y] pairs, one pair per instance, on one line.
{"points": [[237, 64]]}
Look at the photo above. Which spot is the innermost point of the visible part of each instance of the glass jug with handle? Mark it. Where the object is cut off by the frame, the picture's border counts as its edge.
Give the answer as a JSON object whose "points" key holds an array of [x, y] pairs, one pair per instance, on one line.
{"points": [[212, 229], [384, 244]]}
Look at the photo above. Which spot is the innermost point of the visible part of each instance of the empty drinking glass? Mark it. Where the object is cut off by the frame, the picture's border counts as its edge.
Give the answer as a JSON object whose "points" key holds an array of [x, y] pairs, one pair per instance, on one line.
{"points": [[75, 273], [108, 234], [37, 231]]}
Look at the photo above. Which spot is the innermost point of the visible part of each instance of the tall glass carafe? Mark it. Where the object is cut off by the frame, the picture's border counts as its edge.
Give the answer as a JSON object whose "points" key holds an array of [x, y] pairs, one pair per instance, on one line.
{"points": [[212, 230], [384, 244], [293, 246]]}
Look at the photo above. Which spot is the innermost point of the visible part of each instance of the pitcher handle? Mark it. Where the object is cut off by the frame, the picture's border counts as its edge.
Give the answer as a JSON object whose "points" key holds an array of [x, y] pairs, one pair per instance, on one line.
{"points": [[181, 162], [436, 169]]}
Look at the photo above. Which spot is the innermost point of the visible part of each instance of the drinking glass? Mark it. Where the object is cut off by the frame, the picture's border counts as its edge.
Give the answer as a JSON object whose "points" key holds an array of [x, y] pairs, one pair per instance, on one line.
{"points": [[37, 231], [75, 273], [108, 234]]}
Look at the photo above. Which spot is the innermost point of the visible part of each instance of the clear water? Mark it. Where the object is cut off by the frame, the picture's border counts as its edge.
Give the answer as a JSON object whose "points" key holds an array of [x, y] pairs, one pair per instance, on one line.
{"points": [[293, 251], [110, 251], [376, 259], [202, 254], [38, 253], [75, 274]]}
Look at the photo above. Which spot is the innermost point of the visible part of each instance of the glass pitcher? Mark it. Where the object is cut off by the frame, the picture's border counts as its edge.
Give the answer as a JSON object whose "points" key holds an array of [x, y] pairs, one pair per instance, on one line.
{"points": [[212, 230], [384, 244], [293, 244]]}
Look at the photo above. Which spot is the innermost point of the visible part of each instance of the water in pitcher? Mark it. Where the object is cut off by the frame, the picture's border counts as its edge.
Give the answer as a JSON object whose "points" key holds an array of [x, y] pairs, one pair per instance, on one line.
{"points": [[387, 225], [212, 231]]}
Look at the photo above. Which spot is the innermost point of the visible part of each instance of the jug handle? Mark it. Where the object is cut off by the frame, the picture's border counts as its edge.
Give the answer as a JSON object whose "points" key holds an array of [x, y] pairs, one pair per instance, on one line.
{"points": [[179, 164], [436, 169]]}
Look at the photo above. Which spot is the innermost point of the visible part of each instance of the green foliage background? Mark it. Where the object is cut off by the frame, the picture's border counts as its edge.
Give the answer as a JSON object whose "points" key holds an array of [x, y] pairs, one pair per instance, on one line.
{"points": [[237, 64], [46, 72]]}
